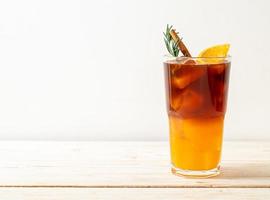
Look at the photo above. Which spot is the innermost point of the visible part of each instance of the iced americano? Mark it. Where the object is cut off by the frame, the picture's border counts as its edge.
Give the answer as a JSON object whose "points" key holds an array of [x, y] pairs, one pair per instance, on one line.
{"points": [[196, 95]]}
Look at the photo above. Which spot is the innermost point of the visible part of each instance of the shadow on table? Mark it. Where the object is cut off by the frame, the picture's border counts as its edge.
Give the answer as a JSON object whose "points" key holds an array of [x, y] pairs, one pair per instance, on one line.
{"points": [[248, 170]]}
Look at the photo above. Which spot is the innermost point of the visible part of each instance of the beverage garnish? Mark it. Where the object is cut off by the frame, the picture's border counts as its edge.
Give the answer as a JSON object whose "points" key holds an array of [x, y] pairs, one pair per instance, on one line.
{"points": [[175, 44]]}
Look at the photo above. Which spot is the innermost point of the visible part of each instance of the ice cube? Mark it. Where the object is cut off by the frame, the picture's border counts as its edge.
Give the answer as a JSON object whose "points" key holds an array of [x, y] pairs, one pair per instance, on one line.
{"points": [[217, 79], [218, 95], [189, 62], [217, 69], [187, 101], [176, 102], [186, 75], [191, 101]]}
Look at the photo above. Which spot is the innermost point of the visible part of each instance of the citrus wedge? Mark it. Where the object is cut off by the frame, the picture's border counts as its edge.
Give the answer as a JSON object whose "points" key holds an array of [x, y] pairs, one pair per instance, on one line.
{"points": [[214, 54]]}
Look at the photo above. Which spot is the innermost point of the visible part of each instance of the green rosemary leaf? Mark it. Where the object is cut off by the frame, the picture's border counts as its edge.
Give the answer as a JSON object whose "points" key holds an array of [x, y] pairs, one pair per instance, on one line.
{"points": [[171, 46]]}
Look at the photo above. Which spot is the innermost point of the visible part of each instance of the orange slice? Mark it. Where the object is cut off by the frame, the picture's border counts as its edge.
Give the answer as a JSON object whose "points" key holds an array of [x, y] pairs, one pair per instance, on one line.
{"points": [[214, 54]]}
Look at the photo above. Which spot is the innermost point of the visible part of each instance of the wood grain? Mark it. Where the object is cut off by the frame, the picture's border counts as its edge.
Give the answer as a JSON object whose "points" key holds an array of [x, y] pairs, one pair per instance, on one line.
{"points": [[124, 165], [133, 193]]}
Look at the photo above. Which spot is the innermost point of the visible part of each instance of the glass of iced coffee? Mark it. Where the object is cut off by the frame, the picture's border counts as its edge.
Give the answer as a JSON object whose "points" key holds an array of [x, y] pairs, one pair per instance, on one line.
{"points": [[196, 94], [196, 104]]}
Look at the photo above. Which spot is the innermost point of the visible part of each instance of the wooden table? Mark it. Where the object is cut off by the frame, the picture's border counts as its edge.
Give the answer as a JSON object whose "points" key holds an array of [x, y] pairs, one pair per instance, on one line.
{"points": [[126, 170]]}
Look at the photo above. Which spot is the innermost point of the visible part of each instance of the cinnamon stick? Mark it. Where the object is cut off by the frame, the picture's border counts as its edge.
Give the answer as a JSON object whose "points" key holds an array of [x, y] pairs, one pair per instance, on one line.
{"points": [[180, 43]]}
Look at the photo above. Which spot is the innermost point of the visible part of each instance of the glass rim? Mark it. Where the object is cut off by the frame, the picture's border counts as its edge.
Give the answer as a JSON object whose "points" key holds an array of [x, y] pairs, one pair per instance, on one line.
{"points": [[201, 60], [196, 57]]}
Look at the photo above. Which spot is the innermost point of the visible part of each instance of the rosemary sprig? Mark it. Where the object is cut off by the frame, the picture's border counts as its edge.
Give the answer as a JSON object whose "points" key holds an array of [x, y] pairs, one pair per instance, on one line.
{"points": [[171, 45]]}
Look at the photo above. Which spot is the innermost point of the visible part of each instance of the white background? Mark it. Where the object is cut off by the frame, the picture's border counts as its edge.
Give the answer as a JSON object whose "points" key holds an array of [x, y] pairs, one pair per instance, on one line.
{"points": [[92, 70]]}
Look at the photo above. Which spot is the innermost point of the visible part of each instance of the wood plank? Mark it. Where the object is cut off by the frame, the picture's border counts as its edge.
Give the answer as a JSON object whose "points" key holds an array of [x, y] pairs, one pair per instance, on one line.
{"points": [[124, 164], [133, 193]]}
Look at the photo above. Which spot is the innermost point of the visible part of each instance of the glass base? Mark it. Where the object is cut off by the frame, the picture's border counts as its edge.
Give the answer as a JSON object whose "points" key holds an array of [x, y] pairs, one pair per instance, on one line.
{"points": [[196, 173]]}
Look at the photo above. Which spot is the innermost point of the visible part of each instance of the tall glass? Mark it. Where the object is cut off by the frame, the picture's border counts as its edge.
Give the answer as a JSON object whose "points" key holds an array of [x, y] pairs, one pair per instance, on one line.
{"points": [[196, 93]]}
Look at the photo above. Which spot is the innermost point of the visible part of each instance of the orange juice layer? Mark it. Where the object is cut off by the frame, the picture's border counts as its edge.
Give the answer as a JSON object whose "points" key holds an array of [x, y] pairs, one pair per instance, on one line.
{"points": [[196, 143]]}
